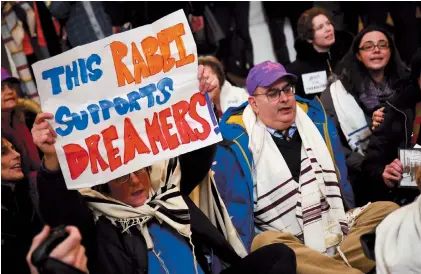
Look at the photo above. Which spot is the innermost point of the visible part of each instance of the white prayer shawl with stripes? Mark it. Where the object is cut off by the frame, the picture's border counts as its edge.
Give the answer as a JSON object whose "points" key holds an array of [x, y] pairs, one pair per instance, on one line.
{"points": [[165, 205], [351, 118], [311, 209]]}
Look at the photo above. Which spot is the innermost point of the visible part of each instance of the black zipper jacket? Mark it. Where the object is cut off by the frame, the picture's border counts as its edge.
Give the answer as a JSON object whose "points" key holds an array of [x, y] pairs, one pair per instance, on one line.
{"points": [[394, 133]]}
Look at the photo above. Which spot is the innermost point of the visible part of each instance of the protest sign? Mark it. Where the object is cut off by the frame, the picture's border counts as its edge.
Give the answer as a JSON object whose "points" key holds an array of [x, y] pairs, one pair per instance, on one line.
{"points": [[126, 101]]}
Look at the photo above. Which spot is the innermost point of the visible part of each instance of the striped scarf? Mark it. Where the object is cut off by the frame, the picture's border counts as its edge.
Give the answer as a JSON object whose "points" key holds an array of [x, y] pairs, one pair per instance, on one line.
{"points": [[310, 209], [164, 204], [351, 118], [12, 33]]}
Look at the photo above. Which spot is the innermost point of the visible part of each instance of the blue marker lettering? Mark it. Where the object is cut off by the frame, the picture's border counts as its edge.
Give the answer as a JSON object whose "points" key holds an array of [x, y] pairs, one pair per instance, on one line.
{"points": [[54, 76], [166, 82], [63, 117]]}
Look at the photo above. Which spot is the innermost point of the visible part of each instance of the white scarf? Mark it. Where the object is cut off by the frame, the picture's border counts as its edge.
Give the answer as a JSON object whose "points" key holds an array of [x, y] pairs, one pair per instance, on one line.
{"points": [[311, 209], [351, 118], [165, 205], [232, 96], [398, 241]]}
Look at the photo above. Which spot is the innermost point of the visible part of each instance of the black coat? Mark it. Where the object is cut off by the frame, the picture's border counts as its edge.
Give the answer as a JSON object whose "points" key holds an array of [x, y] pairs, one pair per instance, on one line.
{"points": [[309, 60], [19, 224], [110, 251], [394, 133]]}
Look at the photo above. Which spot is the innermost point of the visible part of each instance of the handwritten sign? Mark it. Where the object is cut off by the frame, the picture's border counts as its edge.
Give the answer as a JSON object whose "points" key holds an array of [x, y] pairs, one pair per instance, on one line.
{"points": [[126, 101], [315, 82]]}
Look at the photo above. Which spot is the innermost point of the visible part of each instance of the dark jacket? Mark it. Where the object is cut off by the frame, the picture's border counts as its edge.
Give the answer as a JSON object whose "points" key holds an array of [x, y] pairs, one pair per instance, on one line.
{"points": [[19, 224], [394, 133], [141, 13], [309, 60], [109, 250]]}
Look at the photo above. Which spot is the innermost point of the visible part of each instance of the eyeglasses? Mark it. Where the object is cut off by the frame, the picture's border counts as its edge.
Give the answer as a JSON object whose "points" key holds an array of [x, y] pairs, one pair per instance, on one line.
{"points": [[274, 94], [125, 178], [370, 46]]}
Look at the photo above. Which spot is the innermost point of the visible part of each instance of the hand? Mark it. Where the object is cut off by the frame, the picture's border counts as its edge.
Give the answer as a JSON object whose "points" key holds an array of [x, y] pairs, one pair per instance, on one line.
{"points": [[44, 138], [116, 29], [393, 173], [207, 79], [70, 251], [197, 23], [378, 117], [43, 134]]}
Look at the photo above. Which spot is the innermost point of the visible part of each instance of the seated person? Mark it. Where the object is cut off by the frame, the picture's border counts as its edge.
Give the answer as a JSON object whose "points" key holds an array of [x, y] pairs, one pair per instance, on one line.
{"points": [[226, 95], [400, 129], [68, 257], [366, 80], [134, 224], [19, 217], [281, 173], [319, 48]]}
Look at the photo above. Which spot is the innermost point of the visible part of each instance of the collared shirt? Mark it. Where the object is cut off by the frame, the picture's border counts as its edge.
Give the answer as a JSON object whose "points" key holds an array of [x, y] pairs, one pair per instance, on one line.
{"points": [[277, 133]]}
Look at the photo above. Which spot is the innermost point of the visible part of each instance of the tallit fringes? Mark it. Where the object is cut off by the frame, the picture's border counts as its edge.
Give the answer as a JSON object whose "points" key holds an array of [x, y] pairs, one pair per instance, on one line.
{"points": [[161, 261], [194, 255]]}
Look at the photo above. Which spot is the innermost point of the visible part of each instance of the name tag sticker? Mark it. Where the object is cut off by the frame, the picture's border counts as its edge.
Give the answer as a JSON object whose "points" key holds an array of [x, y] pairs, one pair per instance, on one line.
{"points": [[314, 82]]}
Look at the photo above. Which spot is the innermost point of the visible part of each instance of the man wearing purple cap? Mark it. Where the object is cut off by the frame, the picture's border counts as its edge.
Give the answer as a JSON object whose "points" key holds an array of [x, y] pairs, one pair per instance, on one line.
{"points": [[281, 173]]}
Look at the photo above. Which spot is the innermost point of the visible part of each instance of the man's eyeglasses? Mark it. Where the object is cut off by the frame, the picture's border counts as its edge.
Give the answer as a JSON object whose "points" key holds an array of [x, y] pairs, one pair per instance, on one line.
{"points": [[370, 46], [125, 178], [274, 94]]}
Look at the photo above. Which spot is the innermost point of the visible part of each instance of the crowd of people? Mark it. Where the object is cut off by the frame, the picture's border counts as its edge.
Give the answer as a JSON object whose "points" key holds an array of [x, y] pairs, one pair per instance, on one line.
{"points": [[305, 180]]}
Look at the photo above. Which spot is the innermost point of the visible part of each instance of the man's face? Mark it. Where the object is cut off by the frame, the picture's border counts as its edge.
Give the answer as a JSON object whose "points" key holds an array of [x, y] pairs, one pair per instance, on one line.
{"points": [[277, 113]]}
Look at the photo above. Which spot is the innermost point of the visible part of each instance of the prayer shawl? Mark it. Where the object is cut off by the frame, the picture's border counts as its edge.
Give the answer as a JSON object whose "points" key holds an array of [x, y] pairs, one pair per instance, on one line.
{"points": [[310, 209], [398, 241], [351, 118], [165, 204]]}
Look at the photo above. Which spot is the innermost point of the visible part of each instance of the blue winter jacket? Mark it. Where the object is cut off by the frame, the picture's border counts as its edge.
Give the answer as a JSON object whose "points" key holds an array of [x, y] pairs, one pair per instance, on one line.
{"points": [[234, 163]]}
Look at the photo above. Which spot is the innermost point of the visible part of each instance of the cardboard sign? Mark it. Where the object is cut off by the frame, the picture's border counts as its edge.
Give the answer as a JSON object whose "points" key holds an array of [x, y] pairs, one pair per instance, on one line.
{"points": [[126, 101], [314, 82]]}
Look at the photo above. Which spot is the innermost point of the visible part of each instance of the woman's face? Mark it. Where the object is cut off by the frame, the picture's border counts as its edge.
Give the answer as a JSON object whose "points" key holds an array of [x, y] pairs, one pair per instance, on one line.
{"points": [[9, 98], [11, 168], [132, 189], [324, 33], [374, 51]]}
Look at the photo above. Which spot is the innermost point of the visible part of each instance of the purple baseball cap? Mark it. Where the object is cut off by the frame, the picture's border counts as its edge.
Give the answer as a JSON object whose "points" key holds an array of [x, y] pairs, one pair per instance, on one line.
{"points": [[265, 74], [5, 75]]}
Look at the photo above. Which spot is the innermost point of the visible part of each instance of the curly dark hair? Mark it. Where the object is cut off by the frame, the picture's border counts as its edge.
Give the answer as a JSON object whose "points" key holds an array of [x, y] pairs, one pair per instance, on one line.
{"points": [[352, 72], [305, 22]]}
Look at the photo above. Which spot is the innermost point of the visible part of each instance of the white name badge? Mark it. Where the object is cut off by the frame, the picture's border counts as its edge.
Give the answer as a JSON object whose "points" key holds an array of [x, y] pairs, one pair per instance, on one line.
{"points": [[314, 82]]}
